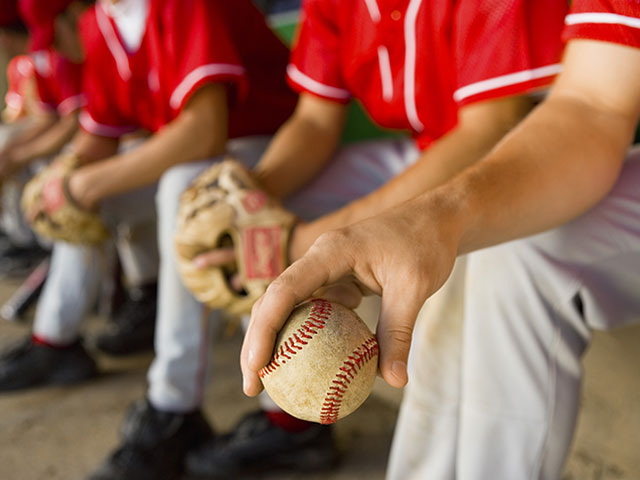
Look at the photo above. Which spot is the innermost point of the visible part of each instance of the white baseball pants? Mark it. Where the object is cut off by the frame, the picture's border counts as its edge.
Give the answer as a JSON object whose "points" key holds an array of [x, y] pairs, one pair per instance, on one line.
{"points": [[528, 311]]}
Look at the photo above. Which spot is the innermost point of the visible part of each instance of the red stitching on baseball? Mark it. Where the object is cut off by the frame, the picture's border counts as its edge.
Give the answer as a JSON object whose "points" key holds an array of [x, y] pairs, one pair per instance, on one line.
{"points": [[333, 400], [320, 312]]}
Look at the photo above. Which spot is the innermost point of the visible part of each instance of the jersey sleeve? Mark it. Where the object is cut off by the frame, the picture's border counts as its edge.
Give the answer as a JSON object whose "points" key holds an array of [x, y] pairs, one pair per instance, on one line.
{"points": [[201, 47], [616, 21], [59, 82], [68, 77], [506, 47], [315, 59]]}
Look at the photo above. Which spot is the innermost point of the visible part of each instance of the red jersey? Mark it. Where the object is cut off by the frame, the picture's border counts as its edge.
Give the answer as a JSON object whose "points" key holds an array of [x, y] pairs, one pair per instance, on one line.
{"points": [[413, 63], [185, 45], [59, 82], [19, 71], [615, 21]]}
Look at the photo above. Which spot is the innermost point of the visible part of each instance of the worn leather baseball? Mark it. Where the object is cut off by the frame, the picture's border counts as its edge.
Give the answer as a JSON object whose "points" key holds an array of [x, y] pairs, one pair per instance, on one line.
{"points": [[324, 363]]}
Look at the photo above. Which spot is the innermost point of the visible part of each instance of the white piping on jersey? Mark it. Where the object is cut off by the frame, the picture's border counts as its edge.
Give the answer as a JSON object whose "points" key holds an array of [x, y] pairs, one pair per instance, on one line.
{"points": [[109, 35], [42, 62], [25, 67], [374, 11], [71, 104], [385, 73], [90, 125], [506, 80], [198, 74], [14, 100], [315, 86], [410, 65], [595, 17]]}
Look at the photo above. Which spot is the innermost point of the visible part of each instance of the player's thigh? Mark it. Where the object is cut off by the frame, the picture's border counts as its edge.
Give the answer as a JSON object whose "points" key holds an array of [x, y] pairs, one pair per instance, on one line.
{"points": [[356, 170]]}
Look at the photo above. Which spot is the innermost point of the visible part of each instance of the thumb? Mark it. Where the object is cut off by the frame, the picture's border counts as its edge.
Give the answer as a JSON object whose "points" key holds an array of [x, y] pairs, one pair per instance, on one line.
{"points": [[394, 332]]}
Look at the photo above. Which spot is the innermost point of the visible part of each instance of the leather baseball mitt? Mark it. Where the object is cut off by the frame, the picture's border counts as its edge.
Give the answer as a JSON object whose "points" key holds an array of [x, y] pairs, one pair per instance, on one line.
{"points": [[52, 212], [226, 205]]}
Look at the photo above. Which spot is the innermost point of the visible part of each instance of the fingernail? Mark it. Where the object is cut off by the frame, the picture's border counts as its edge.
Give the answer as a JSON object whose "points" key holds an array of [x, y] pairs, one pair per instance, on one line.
{"points": [[399, 369], [199, 263], [250, 358]]}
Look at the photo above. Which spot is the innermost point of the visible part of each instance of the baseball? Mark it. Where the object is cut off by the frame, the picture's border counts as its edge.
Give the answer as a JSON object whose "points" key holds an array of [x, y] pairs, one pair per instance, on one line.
{"points": [[324, 363]]}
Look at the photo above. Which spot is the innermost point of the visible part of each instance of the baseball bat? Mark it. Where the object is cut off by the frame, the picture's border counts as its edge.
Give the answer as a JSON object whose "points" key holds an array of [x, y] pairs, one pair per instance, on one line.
{"points": [[15, 307]]}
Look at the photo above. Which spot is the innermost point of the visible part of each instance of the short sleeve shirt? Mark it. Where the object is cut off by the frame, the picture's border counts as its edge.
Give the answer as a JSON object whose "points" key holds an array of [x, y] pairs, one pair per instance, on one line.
{"points": [[19, 70], [615, 21], [413, 63], [59, 82], [185, 45]]}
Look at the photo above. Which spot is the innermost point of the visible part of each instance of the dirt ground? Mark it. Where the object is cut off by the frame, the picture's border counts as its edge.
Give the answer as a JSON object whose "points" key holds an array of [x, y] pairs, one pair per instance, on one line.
{"points": [[63, 433]]}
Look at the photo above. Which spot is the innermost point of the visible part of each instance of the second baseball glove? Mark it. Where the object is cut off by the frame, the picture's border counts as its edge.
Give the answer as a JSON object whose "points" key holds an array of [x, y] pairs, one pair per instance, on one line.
{"points": [[52, 212], [225, 203]]}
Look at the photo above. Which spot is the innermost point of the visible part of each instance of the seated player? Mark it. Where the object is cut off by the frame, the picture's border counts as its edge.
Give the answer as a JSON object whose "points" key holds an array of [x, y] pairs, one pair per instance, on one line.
{"points": [[566, 177]]}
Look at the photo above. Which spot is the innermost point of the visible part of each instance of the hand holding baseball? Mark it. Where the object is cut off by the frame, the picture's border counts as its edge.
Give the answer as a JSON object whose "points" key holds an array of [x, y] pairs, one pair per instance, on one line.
{"points": [[324, 363], [404, 254]]}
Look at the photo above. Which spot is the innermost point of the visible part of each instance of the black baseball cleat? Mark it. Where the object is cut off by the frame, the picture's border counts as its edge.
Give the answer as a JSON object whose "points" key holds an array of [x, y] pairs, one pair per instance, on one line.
{"points": [[29, 364], [132, 328], [154, 444], [257, 445]]}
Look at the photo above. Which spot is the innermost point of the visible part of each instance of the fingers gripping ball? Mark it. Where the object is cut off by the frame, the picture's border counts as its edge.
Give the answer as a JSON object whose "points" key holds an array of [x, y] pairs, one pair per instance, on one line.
{"points": [[51, 210], [324, 364], [226, 202]]}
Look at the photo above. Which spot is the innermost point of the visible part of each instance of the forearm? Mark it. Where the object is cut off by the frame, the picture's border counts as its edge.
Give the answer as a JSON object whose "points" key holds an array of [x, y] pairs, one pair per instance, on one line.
{"points": [[49, 142], [302, 146], [293, 158], [543, 174], [199, 132], [179, 143], [37, 126], [480, 128]]}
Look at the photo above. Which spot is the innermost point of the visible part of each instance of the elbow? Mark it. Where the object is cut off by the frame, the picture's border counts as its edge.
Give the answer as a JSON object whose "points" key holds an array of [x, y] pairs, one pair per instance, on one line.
{"points": [[209, 133]]}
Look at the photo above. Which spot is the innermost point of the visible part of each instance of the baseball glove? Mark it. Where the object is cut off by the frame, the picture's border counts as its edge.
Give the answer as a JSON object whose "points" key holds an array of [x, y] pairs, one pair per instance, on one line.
{"points": [[52, 212], [226, 204]]}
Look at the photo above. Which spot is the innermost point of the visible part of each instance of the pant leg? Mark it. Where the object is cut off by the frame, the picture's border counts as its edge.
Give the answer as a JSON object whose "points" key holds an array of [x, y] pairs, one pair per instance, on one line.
{"points": [[133, 221], [69, 291], [76, 271], [530, 305], [13, 222], [178, 373], [425, 440], [356, 170]]}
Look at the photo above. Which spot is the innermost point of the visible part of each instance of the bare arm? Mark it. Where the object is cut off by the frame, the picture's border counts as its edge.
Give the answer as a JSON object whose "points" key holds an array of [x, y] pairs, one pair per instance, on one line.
{"points": [[562, 159], [200, 131], [480, 126], [48, 142], [38, 125], [302, 146], [557, 163]]}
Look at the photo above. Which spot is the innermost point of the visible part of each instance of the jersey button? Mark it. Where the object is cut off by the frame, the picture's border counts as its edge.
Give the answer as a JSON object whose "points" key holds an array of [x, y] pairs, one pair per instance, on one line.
{"points": [[396, 15]]}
